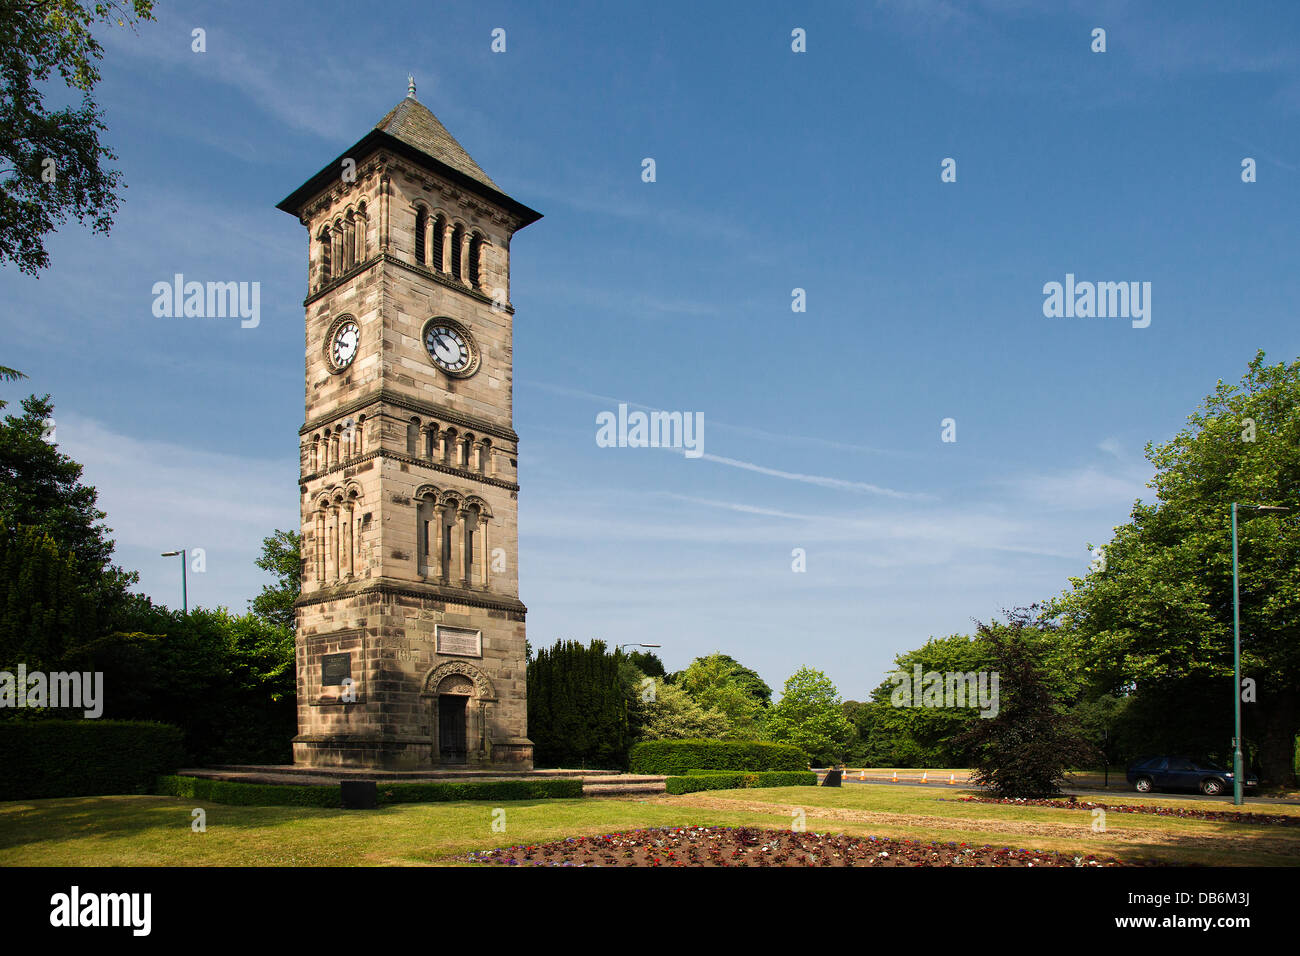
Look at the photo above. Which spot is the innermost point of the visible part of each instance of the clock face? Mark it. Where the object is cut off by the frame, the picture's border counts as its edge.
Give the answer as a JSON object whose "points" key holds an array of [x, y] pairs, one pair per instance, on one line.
{"points": [[449, 348], [343, 347]]}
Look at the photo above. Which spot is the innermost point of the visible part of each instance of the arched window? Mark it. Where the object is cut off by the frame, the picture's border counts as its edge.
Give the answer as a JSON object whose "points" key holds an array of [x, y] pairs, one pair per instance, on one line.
{"points": [[475, 266], [362, 222], [457, 240], [421, 226], [319, 541], [439, 242], [336, 255], [431, 442], [349, 242], [315, 454], [349, 523], [413, 437], [326, 259]]}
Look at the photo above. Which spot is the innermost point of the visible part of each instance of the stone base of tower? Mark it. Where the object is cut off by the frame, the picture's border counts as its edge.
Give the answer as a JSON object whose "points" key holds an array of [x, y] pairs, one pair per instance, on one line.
{"points": [[409, 676], [361, 753]]}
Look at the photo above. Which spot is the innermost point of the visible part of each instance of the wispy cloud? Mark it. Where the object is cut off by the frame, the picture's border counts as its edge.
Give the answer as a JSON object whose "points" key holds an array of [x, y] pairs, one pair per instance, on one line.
{"points": [[162, 496], [840, 484], [746, 430]]}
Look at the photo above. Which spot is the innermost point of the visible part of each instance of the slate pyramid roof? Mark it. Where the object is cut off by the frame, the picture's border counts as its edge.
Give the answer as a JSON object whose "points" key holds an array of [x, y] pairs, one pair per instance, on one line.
{"points": [[412, 123], [411, 130]]}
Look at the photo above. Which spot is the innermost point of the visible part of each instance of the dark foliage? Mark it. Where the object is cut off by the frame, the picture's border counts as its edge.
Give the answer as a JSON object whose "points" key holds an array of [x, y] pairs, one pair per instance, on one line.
{"points": [[81, 758], [578, 706], [1027, 748]]}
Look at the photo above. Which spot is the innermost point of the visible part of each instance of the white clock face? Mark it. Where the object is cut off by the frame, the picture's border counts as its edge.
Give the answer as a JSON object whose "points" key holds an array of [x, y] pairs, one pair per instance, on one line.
{"points": [[448, 348], [344, 347]]}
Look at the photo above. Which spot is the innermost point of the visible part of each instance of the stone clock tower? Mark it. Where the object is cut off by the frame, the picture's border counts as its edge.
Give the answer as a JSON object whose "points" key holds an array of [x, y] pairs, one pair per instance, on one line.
{"points": [[410, 644]]}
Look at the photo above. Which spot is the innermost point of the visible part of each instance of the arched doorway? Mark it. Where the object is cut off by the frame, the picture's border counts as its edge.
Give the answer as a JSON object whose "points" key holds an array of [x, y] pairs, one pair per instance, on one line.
{"points": [[459, 695], [453, 695]]}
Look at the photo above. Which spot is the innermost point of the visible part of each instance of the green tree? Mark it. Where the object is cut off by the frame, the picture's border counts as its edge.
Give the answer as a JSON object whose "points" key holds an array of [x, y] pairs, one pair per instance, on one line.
{"points": [[41, 486], [810, 716], [712, 683], [227, 680], [672, 714], [578, 706], [1158, 612], [281, 556], [898, 735], [47, 617], [56, 167], [747, 680], [648, 663]]}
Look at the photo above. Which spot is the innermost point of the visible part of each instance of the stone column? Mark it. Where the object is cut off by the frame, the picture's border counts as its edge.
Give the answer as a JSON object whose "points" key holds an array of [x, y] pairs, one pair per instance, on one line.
{"points": [[467, 545], [436, 749], [483, 550], [319, 547], [333, 556], [445, 265], [482, 730], [439, 523], [383, 211], [350, 544], [456, 573]]}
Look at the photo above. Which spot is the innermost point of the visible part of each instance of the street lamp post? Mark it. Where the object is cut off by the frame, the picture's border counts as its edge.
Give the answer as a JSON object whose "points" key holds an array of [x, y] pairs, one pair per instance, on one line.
{"points": [[1251, 510], [185, 608]]}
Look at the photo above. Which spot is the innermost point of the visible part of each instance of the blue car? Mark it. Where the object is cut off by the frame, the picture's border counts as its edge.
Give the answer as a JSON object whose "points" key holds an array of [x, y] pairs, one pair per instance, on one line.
{"points": [[1182, 773]]}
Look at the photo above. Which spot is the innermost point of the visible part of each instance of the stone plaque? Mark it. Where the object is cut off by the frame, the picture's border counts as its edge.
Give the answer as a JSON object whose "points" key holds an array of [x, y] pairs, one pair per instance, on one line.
{"points": [[335, 669], [460, 641]]}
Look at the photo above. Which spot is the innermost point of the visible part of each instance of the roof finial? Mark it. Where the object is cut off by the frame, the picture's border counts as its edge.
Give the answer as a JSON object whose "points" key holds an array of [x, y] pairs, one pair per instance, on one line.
{"points": [[410, 86]]}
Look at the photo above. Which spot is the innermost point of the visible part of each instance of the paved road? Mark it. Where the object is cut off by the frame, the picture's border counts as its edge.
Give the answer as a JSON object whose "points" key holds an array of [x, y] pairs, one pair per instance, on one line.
{"points": [[1115, 793]]}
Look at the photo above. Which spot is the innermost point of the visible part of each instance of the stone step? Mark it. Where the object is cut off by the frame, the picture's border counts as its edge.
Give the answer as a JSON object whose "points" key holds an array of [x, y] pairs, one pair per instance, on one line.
{"points": [[622, 785], [594, 782], [343, 773], [624, 791]]}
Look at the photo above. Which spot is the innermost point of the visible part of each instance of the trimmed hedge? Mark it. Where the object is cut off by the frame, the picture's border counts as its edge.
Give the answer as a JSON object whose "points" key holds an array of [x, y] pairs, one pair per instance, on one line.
{"points": [[481, 790], [84, 758], [695, 773], [250, 794], [278, 795], [679, 756], [723, 780]]}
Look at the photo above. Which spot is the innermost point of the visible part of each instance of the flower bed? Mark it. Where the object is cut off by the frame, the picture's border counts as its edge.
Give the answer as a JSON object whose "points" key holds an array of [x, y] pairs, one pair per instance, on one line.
{"points": [[1186, 813], [745, 846]]}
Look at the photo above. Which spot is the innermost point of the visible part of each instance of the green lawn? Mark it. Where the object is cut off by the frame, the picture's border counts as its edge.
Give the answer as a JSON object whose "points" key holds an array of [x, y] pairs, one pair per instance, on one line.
{"points": [[149, 830]]}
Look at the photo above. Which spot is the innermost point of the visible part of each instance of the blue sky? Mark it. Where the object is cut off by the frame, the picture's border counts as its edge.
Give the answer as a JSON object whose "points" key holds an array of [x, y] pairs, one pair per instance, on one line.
{"points": [[775, 171]]}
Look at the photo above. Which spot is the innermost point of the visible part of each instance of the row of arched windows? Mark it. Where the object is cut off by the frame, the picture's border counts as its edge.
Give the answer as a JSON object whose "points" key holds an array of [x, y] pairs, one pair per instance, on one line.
{"points": [[450, 248], [450, 446], [451, 535], [335, 445], [342, 243], [336, 532], [451, 538]]}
